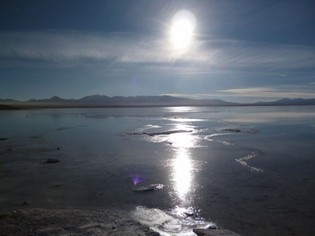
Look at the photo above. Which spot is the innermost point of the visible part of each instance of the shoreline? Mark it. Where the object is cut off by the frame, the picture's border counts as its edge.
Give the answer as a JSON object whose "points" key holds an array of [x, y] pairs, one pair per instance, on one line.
{"points": [[39, 106], [83, 222], [79, 222]]}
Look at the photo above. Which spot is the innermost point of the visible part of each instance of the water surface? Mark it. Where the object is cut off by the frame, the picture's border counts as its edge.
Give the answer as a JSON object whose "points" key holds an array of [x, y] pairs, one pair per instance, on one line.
{"points": [[248, 169]]}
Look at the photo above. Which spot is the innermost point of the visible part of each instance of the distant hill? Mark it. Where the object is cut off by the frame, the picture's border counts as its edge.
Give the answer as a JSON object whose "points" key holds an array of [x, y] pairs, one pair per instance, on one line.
{"points": [[136, 101], [288, 102], [7, 100], [54, 99], [105, 101]]}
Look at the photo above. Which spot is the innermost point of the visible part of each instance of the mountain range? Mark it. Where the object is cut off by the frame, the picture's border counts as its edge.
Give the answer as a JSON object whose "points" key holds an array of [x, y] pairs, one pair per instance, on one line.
{"points": [[138, 101]]}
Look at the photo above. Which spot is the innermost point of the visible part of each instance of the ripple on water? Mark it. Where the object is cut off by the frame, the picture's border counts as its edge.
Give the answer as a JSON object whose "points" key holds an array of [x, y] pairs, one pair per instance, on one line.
{"points": [[243, 162], [211, 138]]}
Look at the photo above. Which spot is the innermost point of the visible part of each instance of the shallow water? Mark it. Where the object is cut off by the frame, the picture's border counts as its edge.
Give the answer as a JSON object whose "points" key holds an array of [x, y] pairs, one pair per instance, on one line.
{"points": [[248, 169]]}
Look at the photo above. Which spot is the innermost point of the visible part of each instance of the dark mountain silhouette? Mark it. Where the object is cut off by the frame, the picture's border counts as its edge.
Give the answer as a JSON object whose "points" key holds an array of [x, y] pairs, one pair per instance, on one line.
{"points": [[102, 100], [7, 100], [134, 101], [54, 99]]}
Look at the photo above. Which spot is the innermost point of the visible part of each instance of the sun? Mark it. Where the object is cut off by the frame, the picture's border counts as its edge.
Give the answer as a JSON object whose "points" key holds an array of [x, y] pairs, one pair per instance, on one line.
{"points": [[182, 30]]}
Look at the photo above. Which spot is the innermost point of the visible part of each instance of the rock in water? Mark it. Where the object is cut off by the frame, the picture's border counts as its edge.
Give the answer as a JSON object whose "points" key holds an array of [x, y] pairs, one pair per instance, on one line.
{"points": [[214, 232], [232, 130], [149, 188], [51, 160]]}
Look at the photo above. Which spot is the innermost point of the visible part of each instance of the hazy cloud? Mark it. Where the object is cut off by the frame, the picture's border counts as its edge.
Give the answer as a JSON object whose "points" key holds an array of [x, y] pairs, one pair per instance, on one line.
{"points": [[240, 54], [206, 55], [267, 92], [258, 93], [74, 46]]}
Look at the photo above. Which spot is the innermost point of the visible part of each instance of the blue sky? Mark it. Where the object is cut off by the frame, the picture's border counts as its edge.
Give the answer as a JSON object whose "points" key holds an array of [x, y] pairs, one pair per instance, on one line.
{"points": [[242, 50]]}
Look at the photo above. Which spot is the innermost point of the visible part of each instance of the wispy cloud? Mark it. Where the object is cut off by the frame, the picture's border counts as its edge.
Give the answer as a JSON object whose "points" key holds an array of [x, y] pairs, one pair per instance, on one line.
{"points": [[268, 92], [205, 57], [258, 93], [240, 54], [73, 46]]}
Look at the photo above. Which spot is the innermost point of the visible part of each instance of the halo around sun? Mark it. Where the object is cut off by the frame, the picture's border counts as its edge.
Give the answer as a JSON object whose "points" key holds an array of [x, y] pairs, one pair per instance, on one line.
{"points": [[182, 30]]}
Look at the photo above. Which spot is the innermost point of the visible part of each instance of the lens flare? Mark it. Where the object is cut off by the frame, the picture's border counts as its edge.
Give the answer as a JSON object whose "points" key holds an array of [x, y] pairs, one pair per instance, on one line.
{"points": [[136, 180]]}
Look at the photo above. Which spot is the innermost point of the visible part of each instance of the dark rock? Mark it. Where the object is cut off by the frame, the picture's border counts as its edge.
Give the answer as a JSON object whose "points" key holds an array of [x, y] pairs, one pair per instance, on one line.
{"points": [[217, 232], [161, 133], [212, 227], [58, 148], [152, 234], [134, 133], [25, 203], [3, 139], [232, 130], [51, 160], [167, 132], [9, 149]]}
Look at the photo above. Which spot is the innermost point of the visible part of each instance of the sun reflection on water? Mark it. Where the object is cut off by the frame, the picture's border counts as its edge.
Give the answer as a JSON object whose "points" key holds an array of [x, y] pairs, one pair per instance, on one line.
{"points": [[181, 138], [182, 141], [182, 173], [182, 164]]}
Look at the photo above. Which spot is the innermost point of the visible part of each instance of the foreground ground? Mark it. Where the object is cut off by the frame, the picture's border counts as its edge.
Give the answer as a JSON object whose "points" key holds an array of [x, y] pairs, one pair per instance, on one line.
{"points": [[70, 223]]}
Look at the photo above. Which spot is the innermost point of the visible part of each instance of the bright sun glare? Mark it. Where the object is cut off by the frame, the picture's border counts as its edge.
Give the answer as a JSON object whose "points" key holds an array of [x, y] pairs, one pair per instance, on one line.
{"points": [[182, 30]]}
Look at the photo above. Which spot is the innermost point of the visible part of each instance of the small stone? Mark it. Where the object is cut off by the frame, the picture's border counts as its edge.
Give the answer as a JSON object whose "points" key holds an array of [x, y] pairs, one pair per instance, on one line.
{"points": [[51, 160], [232, 130], [25, 203], [189, 214]]}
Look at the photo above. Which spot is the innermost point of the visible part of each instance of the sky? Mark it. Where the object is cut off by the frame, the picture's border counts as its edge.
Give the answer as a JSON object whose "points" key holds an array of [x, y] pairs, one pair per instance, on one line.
{"points": [[244, 50]]}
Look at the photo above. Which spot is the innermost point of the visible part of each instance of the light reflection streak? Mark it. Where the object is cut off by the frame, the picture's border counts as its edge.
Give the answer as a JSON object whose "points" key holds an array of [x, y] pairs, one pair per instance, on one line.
{"points": [[180, 109], [183, 216], [182, 141], [182, 165], [182, 173]]}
